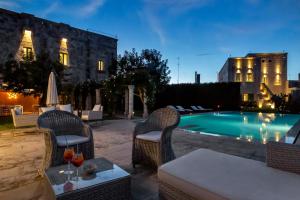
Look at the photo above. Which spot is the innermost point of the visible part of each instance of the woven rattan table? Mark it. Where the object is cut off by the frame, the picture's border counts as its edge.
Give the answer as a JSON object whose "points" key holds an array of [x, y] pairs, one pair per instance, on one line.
{"points": [[108, 182]]}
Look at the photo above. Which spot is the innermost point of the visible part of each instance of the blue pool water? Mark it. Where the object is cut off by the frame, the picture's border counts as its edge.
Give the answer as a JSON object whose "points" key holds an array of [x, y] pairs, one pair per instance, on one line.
{"points": [[247, 125]]}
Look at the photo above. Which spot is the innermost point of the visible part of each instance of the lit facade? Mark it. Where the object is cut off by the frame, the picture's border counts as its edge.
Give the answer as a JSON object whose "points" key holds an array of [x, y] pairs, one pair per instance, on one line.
{"points": [[260, 75], [85, 54]]}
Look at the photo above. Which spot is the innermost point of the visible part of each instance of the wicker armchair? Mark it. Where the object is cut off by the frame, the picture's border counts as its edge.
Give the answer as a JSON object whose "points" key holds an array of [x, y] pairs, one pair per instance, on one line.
{"points": [[283, 156], [66, 129], [152, 138]]}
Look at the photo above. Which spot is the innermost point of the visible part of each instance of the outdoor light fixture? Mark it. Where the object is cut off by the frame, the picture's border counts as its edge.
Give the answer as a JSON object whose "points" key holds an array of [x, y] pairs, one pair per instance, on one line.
{"points": [[277, 136], [64, 40], [27, 32], [11, 95], [273, 106]]}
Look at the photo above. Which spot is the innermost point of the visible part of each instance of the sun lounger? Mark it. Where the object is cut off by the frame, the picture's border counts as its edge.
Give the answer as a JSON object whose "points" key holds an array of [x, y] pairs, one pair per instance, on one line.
{"points": [[204, 109], [210, 175], [183, 109], [195, 109]]}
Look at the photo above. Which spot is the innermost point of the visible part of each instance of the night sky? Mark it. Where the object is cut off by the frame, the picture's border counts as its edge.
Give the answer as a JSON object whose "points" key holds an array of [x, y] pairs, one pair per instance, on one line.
{"points": [[203, 33]]}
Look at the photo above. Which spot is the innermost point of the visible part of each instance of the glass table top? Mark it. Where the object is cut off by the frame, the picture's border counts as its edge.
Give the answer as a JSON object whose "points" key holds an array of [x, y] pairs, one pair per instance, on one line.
{"points": [[105, 172]]}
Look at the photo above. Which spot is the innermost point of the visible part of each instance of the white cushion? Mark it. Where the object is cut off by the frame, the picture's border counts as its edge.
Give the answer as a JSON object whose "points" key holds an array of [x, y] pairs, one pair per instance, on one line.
{"points": [[46, 109], [152, 136], [70, 139], [18, 111], [206, 174], [96, 107], [66, 107]]}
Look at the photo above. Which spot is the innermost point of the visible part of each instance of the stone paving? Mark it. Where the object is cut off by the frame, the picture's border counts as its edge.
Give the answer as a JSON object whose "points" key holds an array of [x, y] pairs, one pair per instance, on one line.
{"points": [[21, 153]]}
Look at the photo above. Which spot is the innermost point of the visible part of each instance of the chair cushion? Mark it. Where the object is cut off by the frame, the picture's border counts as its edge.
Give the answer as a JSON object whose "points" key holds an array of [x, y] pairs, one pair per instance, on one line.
{"points": [[152, 136], [66, 107], [46, 109], [70, 139], [18, 111], [206, 174], [96, 107]]}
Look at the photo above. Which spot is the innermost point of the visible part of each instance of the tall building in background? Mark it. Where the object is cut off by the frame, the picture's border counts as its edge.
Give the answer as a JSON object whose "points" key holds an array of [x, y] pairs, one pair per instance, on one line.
{"points": [[261, 75], [197, 78]]}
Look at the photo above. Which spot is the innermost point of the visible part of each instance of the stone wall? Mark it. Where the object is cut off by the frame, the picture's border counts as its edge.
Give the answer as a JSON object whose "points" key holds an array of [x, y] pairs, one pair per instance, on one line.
{"points": [[85, 48]]}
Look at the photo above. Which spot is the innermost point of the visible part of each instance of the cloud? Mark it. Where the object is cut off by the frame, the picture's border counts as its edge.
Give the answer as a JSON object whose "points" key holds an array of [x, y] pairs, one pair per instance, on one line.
{"points": [[91, 7], [156, 11], [176, 6], [9, 4], [82, 9], [52, 8], [155, 26]]}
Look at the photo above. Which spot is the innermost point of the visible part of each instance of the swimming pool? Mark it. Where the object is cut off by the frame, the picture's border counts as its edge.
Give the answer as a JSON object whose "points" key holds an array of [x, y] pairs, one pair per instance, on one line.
{"points": [[241, 125]]}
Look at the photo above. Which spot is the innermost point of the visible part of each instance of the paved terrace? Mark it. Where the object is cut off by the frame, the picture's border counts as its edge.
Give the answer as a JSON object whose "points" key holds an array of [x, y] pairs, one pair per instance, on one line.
{"points": [[21, 154]]}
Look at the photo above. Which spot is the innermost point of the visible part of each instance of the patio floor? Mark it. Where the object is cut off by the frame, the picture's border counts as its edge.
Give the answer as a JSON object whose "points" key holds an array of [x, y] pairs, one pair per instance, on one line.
{"points": [[20, 154]]}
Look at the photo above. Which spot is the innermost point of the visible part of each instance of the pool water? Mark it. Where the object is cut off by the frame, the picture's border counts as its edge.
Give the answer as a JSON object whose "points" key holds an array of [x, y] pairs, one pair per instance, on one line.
{"points": [[241, 125]]}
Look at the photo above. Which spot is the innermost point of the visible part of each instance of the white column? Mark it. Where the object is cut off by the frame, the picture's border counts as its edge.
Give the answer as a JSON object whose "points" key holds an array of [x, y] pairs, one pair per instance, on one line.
{"points": [[88, 102], [145, 113], [126, 102], [98, 97], [130, 101]]}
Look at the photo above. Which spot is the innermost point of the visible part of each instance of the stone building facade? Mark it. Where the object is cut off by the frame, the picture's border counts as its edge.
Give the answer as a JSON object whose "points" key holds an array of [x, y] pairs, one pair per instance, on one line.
{"points": [[87, 55], [261, 75]]}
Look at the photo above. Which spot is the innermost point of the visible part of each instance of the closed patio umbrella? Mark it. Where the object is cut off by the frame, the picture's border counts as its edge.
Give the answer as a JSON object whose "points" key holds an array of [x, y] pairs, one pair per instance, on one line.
{"points": [[52, 97]]}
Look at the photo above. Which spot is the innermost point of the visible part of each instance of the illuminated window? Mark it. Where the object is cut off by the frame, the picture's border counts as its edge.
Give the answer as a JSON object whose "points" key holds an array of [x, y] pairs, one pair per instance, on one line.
{"points": [[27, 53], [63, 52], [238, 77], [249, 76], [64, 58], [26, 50], [277, 80], [245, 97], [101, 65]]}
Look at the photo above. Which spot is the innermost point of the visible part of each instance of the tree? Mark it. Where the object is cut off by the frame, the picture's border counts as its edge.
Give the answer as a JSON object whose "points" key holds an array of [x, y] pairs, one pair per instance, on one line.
{"points": [[30, 77], [147, 71], [280, 102], [82, 91]]}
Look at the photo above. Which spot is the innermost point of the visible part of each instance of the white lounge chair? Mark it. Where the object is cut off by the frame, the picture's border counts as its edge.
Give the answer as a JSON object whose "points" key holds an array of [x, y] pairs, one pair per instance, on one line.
{"points": [[92, 115], [204, 109], [181, 108], [67, 107], [22, 120], [194, 108]]}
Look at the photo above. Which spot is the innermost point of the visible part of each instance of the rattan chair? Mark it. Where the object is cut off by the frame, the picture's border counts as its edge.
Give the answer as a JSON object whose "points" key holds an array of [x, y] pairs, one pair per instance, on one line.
{"points": [[284, 156], [66, 129], [152, 139]]}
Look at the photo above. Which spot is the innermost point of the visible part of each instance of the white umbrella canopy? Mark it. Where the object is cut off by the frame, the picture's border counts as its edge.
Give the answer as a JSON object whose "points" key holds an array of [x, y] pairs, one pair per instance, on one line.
{"points": [[52, 97]]}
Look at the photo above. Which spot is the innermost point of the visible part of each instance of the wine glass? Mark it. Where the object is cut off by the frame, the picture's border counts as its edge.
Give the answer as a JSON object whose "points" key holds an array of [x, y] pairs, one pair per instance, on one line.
{"points": [[68, 155], [77, 161]]}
